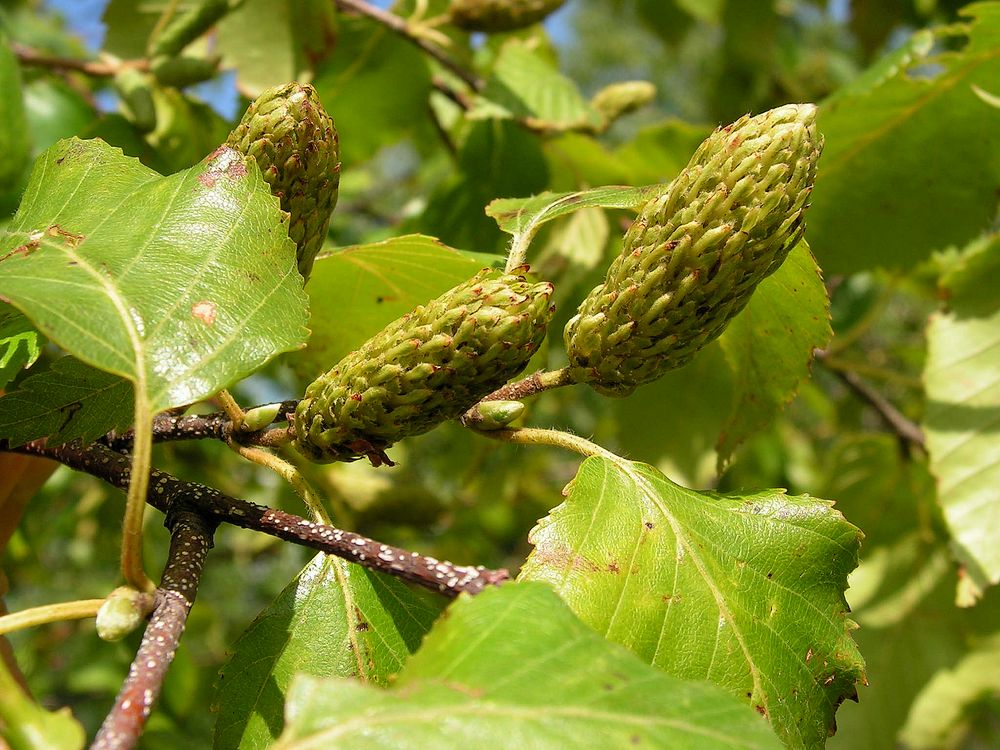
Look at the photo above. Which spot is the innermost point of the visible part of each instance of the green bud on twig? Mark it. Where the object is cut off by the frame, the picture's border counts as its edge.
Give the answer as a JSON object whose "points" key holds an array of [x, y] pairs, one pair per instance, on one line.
{"points": [[500, 15]]}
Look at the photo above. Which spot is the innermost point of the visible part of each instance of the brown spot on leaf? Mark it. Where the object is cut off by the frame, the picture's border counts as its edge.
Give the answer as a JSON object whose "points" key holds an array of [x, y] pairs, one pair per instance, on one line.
{"points": [[649, 524], [762, 710], [204, 311], [563, 558], [236, 170], [613, 567], [208, 179]]}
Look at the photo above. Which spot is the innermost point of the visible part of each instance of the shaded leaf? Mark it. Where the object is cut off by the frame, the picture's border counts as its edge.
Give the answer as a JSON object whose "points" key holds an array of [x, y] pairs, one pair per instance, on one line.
{"points": [[375, 85], [514, 668], [356, 291], [20, 343], [886, 192], [270, 43], [25, 725], [744, 591], [770, 344], [525, 86], [334, 619], [15, 140], [962, 380], [497, 158], [675, 421], [940, 715], [182, 284], [69, 401]]}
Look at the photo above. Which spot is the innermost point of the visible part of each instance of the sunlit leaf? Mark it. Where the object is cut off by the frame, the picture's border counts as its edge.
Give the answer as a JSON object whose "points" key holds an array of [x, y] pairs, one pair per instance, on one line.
{"points": [[744, 591], [514, 668], [962, 378], [912, 157], [334, 619], [527, 87], [181, 284]]}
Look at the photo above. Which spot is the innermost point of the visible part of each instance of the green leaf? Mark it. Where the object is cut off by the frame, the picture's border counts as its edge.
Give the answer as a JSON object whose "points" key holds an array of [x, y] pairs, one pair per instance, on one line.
{"points": [[514, 668], [69, 401], [525, 86], [375, 85], [887, 193], [357, 290], [675, 421], [962, 381], [770, 344], [940, 714], [744, 591], [181, 284], [20, 343], [659, 152], [523, 217], [15, 141], [129, 24], [334, 619], [497, 158], [25, 725], [269, 43]]}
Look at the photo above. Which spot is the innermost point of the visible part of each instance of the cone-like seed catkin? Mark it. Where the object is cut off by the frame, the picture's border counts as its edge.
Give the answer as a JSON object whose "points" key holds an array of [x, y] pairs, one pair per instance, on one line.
{"points": [[429, 366], [295, 144], [695, 254], [493, 16]]}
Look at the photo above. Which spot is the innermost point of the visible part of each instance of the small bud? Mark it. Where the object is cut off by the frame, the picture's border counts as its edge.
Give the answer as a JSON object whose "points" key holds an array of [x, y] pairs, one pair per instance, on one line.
{"points": [[493, 415], [123, 611], [260, 417]]}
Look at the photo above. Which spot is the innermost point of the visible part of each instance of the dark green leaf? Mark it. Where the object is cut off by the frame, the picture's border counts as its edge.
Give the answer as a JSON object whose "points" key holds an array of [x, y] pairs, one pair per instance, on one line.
{"points": [[376, 87], [20, 344], [525, 86], [514, 668], [744, 591], [770, 346], [69, 401], [15, 142], [271, 43], [334, 619], [912, 158], [182, 284]]}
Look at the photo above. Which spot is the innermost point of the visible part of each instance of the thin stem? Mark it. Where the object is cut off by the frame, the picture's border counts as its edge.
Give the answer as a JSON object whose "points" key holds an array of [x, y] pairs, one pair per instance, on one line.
{"points": [[29, 618], [290, 474], [190, 540], [105, 69], [169, 427], [399, 26], [906, 430], [557, 438], [438, 575], [230, 408], [135, 500], [872, 371]]}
